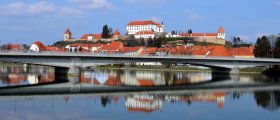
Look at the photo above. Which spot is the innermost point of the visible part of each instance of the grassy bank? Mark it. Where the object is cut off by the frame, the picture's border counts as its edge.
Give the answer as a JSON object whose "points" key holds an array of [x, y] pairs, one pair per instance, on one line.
{"points": [[255, 70]]}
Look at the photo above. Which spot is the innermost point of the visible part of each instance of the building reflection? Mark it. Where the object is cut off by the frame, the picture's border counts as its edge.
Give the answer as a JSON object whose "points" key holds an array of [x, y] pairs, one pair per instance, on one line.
{"points": [[215, 97], [17, 75], [151, 103], [141, 78], [143, 103]]}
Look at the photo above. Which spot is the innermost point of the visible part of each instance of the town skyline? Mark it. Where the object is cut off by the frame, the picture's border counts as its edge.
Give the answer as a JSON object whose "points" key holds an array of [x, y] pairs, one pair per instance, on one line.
{"points": [[28, 21]]}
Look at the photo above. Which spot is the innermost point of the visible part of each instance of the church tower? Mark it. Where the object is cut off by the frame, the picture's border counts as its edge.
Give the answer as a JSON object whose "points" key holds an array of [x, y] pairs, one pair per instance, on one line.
{"points": [[221, 33], [67, 35]]}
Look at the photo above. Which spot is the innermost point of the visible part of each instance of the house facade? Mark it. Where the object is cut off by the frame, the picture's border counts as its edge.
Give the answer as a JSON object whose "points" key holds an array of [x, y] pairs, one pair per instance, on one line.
{"points": [[146, 25]]}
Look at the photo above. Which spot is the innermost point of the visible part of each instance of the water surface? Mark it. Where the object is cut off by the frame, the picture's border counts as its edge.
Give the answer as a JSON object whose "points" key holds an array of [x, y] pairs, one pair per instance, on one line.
{"points": [[258, 103]]}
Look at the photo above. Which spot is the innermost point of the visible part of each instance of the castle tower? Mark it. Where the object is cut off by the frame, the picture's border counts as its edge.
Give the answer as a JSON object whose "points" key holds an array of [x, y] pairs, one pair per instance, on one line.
{"points": [[67, 35], [117, 34], [162, 27], [221, 33]]}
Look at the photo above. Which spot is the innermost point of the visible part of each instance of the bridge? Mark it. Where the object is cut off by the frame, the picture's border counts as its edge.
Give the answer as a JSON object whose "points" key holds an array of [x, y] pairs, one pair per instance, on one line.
{"points": [[74, 61]]}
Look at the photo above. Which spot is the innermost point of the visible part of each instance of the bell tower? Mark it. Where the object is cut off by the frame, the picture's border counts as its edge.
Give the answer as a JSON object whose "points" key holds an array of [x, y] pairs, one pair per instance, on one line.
{"points": [[221, 33], [67, 35]]}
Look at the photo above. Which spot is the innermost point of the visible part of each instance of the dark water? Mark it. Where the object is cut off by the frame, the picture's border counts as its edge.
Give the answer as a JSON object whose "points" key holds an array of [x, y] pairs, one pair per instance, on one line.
{"points": [[259, 102]]}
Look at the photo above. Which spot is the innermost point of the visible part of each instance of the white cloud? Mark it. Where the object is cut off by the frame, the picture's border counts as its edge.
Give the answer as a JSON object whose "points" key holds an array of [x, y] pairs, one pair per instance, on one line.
{"points": [[94, 4], [156, 19], [23, 8], [263, 34], [145, 1], [41, 8]]}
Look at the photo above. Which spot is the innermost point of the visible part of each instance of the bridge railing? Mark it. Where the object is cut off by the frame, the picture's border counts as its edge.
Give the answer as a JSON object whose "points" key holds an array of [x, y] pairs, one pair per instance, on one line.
{"points": [[68, 53]]}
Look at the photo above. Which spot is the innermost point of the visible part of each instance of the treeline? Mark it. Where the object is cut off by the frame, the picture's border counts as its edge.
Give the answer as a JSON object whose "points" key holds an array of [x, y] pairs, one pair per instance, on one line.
{"points": [[267, 47]]}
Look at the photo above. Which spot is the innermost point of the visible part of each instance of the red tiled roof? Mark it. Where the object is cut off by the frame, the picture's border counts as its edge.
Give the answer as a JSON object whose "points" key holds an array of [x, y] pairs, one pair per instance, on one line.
{"points": [[220, 105], [144, 22], [113, 81], [145, 82], [113, 46], [219, 51], [219, 94], [181, 50], [242, 51], [52, 48], [40, 45], [144, 32], [199, 50], [95, 36], [86, 45], [131, 109], [221, 30], [129, 49], [14, 46], [149, 50], [68, 31], [117, 32]]}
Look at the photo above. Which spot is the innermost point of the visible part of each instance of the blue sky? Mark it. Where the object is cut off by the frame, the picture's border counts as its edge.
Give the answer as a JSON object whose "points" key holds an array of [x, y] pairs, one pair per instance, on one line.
{"points": [[25, 21]]}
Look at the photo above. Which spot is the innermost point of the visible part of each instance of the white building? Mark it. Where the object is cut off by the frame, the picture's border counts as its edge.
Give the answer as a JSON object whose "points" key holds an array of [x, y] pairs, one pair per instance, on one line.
{"points": [[37, 47], [148, 25], [144, 34]]}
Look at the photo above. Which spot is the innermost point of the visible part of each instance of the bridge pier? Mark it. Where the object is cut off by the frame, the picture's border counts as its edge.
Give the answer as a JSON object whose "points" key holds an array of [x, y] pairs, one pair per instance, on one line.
{"points": [[73, 73], [227, 71]]}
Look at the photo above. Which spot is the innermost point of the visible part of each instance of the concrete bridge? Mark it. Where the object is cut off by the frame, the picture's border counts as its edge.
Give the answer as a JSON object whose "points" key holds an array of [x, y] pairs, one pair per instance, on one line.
{"points": [[75, 61]]}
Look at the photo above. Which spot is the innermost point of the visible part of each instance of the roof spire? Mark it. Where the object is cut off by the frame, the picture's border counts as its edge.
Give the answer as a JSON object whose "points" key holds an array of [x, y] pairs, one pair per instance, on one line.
{"points": [[221, 30], [68, 31]]}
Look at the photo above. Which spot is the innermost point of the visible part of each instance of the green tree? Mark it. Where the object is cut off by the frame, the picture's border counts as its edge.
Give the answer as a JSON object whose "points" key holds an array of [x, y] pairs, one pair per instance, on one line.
{"points": [[105, 32], [262, 48], [257, 47], [276, 51]]}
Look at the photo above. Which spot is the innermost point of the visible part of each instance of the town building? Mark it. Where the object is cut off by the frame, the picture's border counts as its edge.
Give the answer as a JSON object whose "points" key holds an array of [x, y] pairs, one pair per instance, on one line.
{"points": [[98, 37], [144, 34], [92, 37], [216, 38], [135, 27], [15, 47], [37, 47], [143, 103], [67, 35]]}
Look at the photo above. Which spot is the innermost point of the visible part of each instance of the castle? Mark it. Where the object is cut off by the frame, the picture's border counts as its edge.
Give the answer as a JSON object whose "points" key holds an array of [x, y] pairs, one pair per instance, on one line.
{"points": [[216, 38]]}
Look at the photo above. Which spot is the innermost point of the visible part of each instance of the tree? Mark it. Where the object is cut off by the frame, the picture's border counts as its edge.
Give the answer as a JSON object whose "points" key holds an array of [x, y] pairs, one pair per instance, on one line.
{"points": [[257, 48], [190, 31], [262, 47], [173, 32], [105, 32], [236, 42], [276, 50]]}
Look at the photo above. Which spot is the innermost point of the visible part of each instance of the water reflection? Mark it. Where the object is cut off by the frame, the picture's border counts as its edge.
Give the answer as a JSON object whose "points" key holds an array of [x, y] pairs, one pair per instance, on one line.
{"points": [[269, 100], [19, 75], [142, 78], [139, 103], [176, 104]]}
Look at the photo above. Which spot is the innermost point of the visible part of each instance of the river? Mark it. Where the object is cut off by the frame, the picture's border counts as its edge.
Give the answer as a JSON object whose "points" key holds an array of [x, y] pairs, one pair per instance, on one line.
{"points": [[200, 95]]}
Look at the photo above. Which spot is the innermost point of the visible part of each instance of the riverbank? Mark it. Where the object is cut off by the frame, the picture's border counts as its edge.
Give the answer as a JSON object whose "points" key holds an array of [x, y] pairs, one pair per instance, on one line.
{"points": [[255, 70]]}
